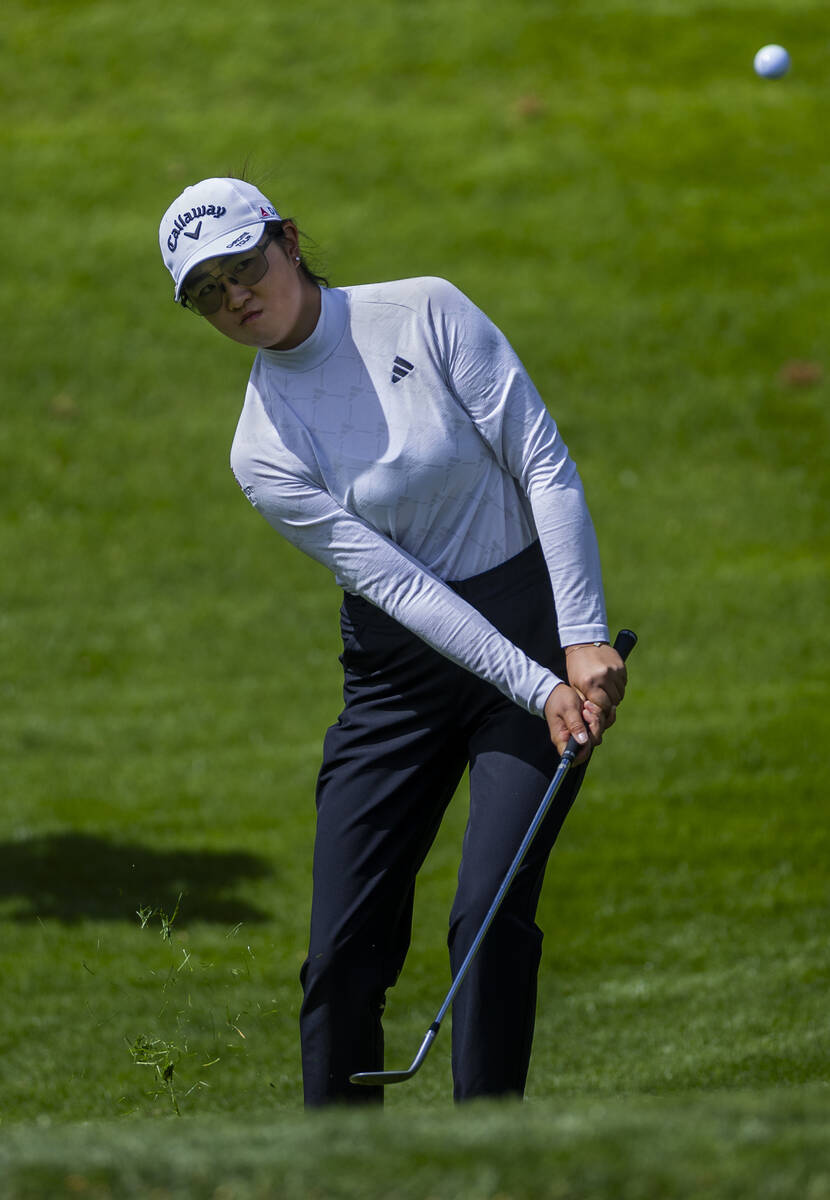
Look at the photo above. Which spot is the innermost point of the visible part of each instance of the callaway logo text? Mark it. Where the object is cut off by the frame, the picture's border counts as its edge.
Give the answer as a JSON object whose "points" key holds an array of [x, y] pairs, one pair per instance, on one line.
{"points": [[183, 220]]}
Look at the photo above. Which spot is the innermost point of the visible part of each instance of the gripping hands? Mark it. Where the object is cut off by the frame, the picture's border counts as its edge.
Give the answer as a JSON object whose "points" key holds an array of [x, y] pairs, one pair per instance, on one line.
{"points": [[585, 706]]}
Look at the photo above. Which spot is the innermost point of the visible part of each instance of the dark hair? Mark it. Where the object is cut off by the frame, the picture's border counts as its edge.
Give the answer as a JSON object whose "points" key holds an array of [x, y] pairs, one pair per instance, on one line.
{"points": [[275, 228]]}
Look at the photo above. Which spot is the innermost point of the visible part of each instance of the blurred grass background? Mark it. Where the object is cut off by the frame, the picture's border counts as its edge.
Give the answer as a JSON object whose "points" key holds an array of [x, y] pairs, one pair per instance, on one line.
{"points": [[646, 220]]}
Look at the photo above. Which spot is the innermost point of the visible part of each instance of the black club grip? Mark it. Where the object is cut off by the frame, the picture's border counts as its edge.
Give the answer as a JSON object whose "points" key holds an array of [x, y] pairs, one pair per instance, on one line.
{"points": [[624, 643]]}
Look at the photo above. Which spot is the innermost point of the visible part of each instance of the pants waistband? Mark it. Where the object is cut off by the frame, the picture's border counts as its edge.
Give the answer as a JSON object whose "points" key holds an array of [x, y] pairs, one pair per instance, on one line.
{"points": [[524, 571], [523, 568]]}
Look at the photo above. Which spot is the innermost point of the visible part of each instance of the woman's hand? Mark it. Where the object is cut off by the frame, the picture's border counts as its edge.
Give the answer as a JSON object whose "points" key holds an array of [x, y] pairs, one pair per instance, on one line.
{"points": [[568, 715], [585, 709], [598, 674]]}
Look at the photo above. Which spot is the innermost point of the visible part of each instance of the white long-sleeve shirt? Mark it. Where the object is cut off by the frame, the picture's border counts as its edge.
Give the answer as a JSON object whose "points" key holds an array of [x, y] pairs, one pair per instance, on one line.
{"points": [[403, 444]]}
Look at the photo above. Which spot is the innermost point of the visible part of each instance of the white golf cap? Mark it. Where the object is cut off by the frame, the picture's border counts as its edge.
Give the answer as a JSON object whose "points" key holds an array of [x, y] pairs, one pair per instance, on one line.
{"points": [[216, 216]]}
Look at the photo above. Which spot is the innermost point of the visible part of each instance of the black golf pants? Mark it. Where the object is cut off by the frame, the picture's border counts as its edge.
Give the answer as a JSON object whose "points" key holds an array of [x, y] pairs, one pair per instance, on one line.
{"points": [[412, 723]]}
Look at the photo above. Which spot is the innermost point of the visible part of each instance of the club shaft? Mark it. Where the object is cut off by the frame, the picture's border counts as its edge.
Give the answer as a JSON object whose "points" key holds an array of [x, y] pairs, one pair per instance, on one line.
{"points": [[624, 643], [541, 813]]}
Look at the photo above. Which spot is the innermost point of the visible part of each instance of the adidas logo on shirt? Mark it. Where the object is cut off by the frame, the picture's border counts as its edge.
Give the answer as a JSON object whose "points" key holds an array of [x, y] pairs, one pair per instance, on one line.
{"points": [[400, 369]]}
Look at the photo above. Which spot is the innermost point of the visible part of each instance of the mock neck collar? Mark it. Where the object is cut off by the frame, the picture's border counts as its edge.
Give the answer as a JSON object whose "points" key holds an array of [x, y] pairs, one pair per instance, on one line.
{"points": [[322, 342]]}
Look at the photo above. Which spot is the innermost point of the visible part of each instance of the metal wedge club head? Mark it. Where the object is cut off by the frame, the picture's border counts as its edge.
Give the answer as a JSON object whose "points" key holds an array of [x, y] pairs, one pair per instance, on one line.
{"points": [[381, 1078]]}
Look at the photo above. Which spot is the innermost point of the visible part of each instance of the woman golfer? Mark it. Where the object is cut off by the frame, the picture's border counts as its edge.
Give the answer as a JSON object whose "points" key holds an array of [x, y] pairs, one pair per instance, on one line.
{"points": [[390, 432]]}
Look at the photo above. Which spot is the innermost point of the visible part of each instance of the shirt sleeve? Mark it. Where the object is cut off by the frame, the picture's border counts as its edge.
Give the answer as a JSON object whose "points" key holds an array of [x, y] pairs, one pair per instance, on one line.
{"points": [[489, 381], [370, 565]]}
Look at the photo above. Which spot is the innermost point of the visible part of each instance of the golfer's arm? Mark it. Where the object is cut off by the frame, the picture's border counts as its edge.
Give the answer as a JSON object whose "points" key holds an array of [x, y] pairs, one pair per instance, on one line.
{"points": [[569, 544], [368, 564], [491, 383]]}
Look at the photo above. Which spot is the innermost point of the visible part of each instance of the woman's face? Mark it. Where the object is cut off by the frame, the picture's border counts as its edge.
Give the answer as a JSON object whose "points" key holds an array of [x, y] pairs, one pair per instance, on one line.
{"points": [[278, 312]]}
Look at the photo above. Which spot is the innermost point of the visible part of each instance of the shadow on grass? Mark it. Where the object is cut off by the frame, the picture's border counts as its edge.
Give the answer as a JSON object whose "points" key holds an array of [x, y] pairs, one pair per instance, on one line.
{"points": [[73, 876]]}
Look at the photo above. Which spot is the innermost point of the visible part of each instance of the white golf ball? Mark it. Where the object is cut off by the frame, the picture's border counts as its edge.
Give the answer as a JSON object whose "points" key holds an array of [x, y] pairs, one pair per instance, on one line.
{"points": [[772, 62]]}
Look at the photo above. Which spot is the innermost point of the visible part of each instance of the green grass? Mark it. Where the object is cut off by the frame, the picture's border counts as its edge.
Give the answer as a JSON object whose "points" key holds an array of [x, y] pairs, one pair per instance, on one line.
{"points": [[770, 1145], [646, 220]]}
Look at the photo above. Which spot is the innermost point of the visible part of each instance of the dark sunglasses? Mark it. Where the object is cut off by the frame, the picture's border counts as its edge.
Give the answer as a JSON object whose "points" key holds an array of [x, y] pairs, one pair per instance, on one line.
{"points": [[203, 292]]}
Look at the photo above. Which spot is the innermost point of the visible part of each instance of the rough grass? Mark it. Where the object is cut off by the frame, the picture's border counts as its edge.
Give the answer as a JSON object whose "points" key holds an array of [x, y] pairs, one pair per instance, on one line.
{"points": [[771, 1145]]}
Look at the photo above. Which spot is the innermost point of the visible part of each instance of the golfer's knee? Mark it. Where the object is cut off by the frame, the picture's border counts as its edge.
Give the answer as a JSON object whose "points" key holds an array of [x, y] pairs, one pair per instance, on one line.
{"points": [[511, 934], [346, 970]]}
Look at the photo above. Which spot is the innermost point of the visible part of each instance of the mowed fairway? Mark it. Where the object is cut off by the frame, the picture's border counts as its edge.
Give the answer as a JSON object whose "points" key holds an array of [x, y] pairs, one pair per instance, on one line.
{"points": [[647, 221]]}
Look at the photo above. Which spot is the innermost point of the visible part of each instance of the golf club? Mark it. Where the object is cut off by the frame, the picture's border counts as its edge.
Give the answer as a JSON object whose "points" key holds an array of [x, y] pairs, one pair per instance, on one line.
{"points": [[623, 644]]}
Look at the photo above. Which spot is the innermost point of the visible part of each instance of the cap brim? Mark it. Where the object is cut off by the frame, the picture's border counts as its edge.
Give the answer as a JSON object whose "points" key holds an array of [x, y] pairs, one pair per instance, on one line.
{"points": [[232, 241]]}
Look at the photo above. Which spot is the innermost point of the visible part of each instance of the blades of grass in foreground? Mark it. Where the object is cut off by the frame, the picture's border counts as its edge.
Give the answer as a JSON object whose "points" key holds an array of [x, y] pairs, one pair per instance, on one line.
{"points": [[768, 1145]]}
